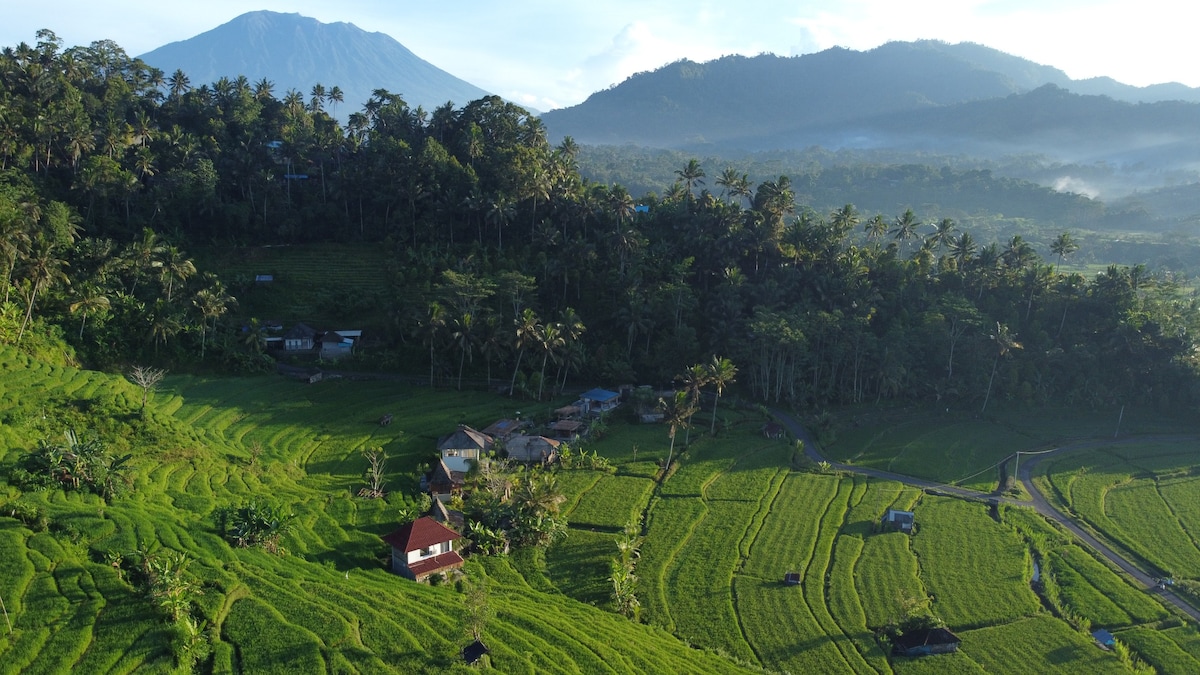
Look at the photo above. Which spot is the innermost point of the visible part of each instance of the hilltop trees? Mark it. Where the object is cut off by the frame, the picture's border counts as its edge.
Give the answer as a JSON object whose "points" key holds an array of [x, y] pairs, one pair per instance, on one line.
{"points": [[110, 170]]}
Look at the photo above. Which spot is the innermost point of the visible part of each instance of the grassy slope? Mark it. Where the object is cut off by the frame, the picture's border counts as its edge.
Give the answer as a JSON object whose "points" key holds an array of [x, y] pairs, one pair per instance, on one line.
{"points": [[720, 534], [329, 604]]}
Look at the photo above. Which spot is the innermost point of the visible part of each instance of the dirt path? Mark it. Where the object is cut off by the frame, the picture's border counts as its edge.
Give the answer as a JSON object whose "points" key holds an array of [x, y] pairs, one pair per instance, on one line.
{"points": [[1039, 501]]}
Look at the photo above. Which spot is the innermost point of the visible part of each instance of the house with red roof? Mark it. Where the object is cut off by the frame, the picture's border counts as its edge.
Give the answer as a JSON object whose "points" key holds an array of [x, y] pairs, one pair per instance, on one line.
{"points": [[423, 548]]}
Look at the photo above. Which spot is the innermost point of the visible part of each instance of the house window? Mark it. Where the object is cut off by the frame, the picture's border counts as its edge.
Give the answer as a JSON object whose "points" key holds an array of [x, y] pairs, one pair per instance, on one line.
{"points": [[427, 551]]}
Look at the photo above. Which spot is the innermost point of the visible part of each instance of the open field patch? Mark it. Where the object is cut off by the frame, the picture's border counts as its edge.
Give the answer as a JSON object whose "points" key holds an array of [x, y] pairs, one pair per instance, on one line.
{"points": [[1142, 496]]}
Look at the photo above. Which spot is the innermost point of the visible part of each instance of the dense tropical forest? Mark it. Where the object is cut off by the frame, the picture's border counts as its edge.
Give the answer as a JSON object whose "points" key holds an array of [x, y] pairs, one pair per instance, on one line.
{"points": [[503, 262]]}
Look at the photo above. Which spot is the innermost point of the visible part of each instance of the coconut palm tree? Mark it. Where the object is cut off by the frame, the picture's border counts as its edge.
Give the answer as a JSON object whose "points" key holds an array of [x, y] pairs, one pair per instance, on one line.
{"points": [[14, 240], [943, 234], [432, 329], [621, 203], [90, 299], [1004, 342], [963, 249], [693, 379], [174, 267], [676, 413], [572, 331], [904, 228], [550, 340], [691, 175], [1063, 246], [875, 228], [142, 255], [43, 269], [212, 303], [721, 373], [464, 337], [526, 331]]}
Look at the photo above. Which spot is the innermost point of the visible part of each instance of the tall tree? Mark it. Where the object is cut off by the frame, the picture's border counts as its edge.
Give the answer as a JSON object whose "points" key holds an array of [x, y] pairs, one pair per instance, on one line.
{"points": [[676, 413], [43, 269], [721, 373], [694, 379], [691, 175], [1063, 246], [526, 330], [1004, 342]]}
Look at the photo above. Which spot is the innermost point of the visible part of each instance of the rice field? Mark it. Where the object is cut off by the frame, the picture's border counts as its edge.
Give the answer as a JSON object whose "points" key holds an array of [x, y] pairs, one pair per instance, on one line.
{"points": [[1142, 496], [956, 446], [720, 534]]}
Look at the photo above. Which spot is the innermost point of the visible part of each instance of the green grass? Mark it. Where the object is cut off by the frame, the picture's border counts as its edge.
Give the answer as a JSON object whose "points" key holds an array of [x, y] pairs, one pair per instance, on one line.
{"points": [[977, 570], [1159, 650], [1142, 496], [612, 502], [720, 534], [319, 284], [329, 604], [1036, 645], [1094, 590], [952, 445]]}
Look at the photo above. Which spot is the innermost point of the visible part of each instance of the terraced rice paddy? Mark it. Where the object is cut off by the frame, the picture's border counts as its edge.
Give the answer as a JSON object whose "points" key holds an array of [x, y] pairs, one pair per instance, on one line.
{"points": [[956, 446], [1142, 496], [719, 585], [719, 536]]}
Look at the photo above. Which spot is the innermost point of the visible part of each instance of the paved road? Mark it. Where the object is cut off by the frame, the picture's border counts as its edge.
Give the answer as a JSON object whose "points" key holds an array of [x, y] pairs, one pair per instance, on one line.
{"points": [[810, 451], [1044, 507], [1039, 503]]}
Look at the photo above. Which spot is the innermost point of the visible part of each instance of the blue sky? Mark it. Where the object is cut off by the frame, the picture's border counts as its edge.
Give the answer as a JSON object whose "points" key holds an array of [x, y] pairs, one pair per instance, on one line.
{"points": [[553, 53]]}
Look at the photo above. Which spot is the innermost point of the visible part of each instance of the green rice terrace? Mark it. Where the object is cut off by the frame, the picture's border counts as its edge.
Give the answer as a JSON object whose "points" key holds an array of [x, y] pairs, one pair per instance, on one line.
{"points": [[738, 513]]}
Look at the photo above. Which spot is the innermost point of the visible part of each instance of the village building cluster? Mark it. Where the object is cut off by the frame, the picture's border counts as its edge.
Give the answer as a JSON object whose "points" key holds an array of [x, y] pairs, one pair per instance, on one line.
{"points": [[425, 547]]}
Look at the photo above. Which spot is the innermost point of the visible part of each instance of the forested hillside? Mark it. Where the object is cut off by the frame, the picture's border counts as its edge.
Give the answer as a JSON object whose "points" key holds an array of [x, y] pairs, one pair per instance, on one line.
{"points": [[503, 262]]}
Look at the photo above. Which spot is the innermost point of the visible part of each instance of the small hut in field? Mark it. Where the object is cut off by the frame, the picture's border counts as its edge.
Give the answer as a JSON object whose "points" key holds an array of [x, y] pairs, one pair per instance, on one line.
{"points": [[926, 641]]}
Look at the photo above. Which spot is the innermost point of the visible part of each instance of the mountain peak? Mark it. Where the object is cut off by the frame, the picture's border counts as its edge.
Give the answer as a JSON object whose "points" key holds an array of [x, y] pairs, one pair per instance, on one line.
{"points": [[297, 52]]}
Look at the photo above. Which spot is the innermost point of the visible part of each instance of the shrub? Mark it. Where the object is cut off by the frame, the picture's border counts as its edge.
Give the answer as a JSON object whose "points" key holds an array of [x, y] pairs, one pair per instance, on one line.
{"points": [[254, 524]]}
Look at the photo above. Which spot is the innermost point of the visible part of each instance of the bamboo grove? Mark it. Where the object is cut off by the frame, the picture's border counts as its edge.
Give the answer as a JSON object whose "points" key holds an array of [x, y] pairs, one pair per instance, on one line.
{"points": [[506, 263]]}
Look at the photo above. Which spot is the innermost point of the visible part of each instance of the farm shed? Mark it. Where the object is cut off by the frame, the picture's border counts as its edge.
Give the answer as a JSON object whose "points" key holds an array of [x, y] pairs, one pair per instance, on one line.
{"points": [[334, 345], [445, 481], [423, 548], [299, 337], [792, 578], [772, 430], [598, 401], [502, 429], [463, 446], [1104, 637], [532, 449], [473, 652], [565, 430], [899, 521], [926, 641]]}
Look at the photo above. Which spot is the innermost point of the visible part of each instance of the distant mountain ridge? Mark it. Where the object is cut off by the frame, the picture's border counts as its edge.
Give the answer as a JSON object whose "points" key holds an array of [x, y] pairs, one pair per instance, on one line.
{"points": [[296, 52], [923, 96]]}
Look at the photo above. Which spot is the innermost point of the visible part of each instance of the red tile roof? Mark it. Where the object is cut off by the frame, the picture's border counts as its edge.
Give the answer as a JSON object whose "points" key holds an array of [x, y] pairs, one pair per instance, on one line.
{"points": [[437, 563], [421, 533]]}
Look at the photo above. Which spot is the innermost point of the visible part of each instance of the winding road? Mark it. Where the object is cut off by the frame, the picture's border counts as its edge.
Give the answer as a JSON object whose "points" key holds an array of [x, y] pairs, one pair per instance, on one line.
{"points": [[1025, 473]]}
